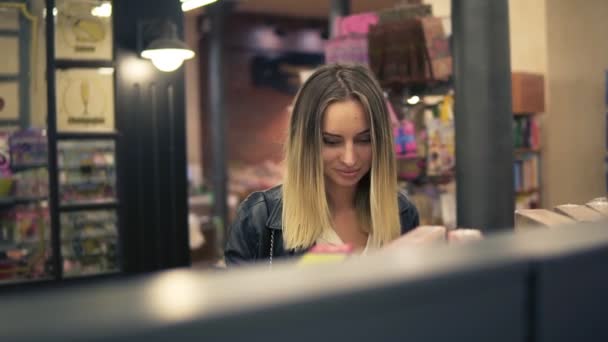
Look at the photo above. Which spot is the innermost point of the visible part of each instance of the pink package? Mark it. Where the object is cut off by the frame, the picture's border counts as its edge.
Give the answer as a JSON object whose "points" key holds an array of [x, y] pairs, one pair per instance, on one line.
{"points": [[405, 139], [357, 23]]}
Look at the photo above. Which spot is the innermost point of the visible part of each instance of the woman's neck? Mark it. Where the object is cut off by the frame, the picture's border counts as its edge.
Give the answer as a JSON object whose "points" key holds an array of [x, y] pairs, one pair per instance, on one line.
{"points": [[339, 197]]}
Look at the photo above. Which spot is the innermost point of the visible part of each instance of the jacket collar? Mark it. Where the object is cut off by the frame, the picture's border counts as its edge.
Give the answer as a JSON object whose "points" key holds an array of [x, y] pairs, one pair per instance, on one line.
{"points": [[275, 202]]}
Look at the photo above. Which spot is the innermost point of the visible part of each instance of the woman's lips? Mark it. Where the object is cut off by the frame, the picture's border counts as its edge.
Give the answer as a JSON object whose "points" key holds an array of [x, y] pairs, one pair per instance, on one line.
{"points": [[348, 173]]}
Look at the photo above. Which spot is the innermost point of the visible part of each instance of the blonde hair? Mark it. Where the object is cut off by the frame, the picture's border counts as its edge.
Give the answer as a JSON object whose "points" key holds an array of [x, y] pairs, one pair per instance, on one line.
{"points": [[305, 209]]}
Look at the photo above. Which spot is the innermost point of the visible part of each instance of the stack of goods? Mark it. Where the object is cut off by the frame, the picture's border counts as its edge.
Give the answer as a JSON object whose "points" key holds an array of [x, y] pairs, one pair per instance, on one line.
{"points": [[425, 139], [28, 160], [425, 163], [350, 45], [24, 216], [564, 214], [89, 242], [526, 179], [401, 45], [409, 46], [526, 172], [526, 132], [25, 241], [86, 171]]}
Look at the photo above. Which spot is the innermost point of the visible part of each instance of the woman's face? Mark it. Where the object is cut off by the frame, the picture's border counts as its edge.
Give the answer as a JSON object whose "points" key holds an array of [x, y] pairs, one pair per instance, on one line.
{"points": [[347, 148]]}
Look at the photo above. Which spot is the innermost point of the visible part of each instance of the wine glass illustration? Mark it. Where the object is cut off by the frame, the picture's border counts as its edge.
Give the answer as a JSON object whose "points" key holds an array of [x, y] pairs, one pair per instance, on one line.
{"points": [[85, 92]]}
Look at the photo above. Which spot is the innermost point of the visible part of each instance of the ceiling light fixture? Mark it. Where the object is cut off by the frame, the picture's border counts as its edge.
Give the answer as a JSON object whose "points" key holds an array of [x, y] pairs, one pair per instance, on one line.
{"points": [[104, 10], [167, 52], [188, 5]]}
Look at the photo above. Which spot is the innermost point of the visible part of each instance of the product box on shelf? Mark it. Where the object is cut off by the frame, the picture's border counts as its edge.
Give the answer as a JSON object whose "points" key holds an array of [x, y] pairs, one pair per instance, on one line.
{"points": [[87, 171], [89, 242], [528, 94], [28, 147], [579, 213]]}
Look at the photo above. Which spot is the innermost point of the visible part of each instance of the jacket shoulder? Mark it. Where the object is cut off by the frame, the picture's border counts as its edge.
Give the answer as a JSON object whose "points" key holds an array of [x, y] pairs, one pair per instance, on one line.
{"points": [[243, 241], [408, 214]]}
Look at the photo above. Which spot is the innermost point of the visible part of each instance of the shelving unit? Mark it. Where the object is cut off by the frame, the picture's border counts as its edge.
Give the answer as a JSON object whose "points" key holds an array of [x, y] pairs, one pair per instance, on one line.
{"points": [[528, 104], [61, 213]]}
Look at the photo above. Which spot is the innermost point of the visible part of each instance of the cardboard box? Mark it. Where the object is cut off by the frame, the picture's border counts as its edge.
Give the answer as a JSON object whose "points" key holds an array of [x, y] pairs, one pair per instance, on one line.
{"points": [[600, 205], [579, 213], [528, 92], [525, 218]]}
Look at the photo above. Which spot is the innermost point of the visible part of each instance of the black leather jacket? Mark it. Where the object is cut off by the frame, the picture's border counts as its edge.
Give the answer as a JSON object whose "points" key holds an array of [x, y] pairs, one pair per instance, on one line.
{"points": [[258, 226]]}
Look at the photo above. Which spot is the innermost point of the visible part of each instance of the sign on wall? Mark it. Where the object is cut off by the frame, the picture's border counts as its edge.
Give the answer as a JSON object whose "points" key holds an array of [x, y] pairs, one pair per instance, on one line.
{"points": [[10, 55], [9, 100], [85, 100], [81, 32]]}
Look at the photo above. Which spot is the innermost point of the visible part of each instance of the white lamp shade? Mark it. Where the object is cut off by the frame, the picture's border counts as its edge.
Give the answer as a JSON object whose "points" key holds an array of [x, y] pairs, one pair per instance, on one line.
{"points": [[167, 59], [188, 5]]}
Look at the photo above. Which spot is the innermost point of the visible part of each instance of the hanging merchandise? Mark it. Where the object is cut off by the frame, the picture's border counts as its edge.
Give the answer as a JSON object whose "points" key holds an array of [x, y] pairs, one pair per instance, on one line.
{"points": [[440, 134], [437, 48], [397, 52], [404, 12], [355, 24], [349, 49], [350, 45], [405, 140], [403, 135]]}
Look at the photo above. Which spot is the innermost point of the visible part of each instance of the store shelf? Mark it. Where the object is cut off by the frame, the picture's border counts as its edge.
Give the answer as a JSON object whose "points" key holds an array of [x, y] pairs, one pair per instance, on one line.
{"points": [[402, 157], [88, 182], [528, 192], [5, 245], [526, 150], [9, 78], [69, 63], [11, 201], [23, 167], [93, 166], [88, 274], [87, 135], [90, 236], [526, 114], [92, 205]]}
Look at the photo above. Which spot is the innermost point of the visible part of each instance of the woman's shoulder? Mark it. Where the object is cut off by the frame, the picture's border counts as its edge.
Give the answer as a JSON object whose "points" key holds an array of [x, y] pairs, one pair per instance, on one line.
{"points": [[408, 214], [257, 198], [403, 201]]}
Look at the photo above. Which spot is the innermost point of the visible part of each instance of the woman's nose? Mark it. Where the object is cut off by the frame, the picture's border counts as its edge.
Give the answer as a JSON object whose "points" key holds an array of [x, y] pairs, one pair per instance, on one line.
{"points": [[349, 157]]}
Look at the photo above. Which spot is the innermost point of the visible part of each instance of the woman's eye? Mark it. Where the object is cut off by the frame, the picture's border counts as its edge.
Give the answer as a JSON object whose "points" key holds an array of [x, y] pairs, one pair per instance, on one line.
{"points": [[364, 140], [330, 142]]}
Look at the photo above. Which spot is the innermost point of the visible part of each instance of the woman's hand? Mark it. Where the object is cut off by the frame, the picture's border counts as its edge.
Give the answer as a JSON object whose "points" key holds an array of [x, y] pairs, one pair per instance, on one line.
{"points": [[422, 235], [425, 235], [462, 235]]}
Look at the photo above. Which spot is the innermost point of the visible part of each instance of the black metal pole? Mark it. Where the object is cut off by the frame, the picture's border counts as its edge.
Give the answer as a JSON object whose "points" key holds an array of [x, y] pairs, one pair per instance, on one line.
{"points": [[337, 8], [483, 118], [52, 142], [217, 115]]}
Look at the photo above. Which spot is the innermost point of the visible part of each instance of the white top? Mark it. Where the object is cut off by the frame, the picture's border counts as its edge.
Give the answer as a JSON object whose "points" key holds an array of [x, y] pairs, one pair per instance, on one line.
{"points": [[330, 237]]}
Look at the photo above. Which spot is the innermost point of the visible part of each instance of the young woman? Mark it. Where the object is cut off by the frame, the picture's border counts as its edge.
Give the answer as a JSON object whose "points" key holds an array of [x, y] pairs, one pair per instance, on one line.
{"points": [[341, 181]]}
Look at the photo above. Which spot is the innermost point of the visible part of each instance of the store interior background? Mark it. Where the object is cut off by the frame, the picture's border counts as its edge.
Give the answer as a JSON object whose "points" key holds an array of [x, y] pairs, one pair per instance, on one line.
{"points": [[572, 57], [569, 50], [562, 40]]}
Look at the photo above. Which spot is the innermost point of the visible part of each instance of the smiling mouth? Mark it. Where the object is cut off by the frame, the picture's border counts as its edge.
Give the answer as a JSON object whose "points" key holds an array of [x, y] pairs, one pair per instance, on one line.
{"points": [[348, 172]]}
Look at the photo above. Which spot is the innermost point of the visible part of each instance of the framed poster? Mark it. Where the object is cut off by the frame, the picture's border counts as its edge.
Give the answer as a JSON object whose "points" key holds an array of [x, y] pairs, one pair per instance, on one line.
{"points": [[9, 18], [83, 30], [10, 55], [85, 100], [9, 100]]}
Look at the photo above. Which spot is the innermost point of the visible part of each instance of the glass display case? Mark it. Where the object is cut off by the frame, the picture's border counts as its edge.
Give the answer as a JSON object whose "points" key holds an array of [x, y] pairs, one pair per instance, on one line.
{"points": [[59, 213]]}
